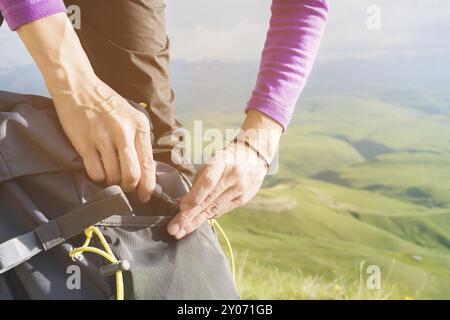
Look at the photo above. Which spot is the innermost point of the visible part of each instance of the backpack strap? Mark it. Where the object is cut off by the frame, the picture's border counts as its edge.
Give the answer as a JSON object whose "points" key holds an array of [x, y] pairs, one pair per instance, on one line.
{"points": [[108, 202]]}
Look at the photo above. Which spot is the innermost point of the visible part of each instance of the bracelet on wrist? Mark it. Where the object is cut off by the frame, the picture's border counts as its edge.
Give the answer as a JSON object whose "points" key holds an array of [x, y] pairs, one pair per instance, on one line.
{"points": [[246, 142]]}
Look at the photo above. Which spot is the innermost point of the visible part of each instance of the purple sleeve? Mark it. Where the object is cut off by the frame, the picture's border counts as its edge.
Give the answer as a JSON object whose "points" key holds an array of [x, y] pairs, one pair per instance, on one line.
{"points": [[293, 39], [20, 12]]}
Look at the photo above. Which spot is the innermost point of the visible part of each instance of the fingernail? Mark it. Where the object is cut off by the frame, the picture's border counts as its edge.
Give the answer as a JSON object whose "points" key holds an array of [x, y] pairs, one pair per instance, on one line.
{"points": [[172, 229], [145, 195], [145, 199], [180, 234]]}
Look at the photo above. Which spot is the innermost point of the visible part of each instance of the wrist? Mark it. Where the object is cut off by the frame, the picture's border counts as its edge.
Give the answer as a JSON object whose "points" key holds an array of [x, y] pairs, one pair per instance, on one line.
{"points": [[262, 133], [245, 142], [69, 69], [56, 49], [69, 79]]}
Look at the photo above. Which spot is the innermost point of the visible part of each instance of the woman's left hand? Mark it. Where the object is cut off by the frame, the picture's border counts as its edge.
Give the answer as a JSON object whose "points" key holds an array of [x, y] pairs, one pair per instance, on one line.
{"points": [[229, 179]]}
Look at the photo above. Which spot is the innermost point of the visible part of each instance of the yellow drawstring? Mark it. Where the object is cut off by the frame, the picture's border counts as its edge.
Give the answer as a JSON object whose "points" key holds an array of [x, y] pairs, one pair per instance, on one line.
{"points": [[107, 254], [215, 224]]}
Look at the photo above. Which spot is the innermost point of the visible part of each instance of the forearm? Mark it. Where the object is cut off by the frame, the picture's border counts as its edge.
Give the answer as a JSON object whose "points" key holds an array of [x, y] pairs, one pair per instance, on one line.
{"points": [[295, 32], [291, 46], [263, 132], [56, 49], [110, 135]]}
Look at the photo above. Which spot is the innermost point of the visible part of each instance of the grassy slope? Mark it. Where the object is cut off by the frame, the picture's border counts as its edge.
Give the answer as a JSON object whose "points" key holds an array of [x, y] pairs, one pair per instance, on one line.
{"points": [[304, 238], [320, 238]]}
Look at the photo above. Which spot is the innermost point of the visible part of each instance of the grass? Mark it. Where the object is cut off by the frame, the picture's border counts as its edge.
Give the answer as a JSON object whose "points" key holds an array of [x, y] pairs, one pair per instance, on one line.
{"points": [[294, 284], [361, 182]]}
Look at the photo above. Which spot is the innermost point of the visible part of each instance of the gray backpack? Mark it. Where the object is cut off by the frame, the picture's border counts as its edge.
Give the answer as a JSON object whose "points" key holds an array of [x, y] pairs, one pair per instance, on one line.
{"points": [[47, 201]]}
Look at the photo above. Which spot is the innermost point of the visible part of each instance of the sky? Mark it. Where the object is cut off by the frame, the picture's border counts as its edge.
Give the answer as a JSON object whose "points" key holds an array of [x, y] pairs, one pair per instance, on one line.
{"points": [[235, 30], [411, 43]]}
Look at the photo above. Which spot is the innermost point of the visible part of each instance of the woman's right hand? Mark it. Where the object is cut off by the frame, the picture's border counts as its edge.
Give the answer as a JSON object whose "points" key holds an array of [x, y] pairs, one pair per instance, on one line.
{"points": [[112, 137]]}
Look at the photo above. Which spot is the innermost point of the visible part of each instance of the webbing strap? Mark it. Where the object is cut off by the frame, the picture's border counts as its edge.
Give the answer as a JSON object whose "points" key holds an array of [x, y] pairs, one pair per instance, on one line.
{"points": [[15, 251], [108, 202]]}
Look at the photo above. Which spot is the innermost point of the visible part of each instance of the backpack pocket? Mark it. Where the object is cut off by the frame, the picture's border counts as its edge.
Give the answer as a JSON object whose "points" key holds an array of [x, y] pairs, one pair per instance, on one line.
{"points": [[162, 267]]}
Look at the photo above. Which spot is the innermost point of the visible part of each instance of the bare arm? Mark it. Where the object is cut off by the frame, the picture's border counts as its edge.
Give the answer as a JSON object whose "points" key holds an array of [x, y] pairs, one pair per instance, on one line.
{"points": [[296, 28], [110, 135]]}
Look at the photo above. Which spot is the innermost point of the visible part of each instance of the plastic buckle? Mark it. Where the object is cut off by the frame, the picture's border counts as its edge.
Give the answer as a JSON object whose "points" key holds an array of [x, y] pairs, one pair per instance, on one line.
{"points": [[111, 269]]}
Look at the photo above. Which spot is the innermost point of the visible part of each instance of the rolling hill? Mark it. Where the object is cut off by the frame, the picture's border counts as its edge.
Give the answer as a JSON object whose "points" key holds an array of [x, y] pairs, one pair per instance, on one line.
{"points": [[361, 182], [364, 179]]}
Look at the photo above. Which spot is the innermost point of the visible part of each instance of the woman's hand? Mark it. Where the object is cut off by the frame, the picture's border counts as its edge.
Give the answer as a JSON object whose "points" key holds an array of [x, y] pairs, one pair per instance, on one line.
{"points": [[111, 136], [230, 178]]}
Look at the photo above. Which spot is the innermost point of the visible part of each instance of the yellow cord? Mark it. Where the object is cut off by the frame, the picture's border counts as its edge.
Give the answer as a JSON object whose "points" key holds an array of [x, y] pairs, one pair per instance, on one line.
{"points": [[216, 224], [107, 254]]}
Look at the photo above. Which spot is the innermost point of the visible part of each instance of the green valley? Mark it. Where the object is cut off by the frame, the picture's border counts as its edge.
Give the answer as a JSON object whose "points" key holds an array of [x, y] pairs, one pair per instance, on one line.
{"points": [[361, 182]]}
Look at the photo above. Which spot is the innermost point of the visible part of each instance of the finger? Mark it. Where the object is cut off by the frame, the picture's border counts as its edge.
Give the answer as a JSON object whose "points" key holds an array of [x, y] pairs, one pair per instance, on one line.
{"points": [[205, 183], [129, 165], [226, 202], [198, 174], [110, 162], [93, 165], [147, 182], [208, 187]]}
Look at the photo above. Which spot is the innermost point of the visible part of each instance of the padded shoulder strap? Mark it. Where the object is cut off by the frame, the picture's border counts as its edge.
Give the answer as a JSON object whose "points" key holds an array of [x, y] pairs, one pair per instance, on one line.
{"points": [[110, 201]]}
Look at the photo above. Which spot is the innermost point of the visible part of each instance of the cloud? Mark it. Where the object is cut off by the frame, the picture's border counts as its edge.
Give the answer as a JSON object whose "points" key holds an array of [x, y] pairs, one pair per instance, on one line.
{"points": [[408, 27], [235, 30], [243, 41], [12, 51], [216, 29]]}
